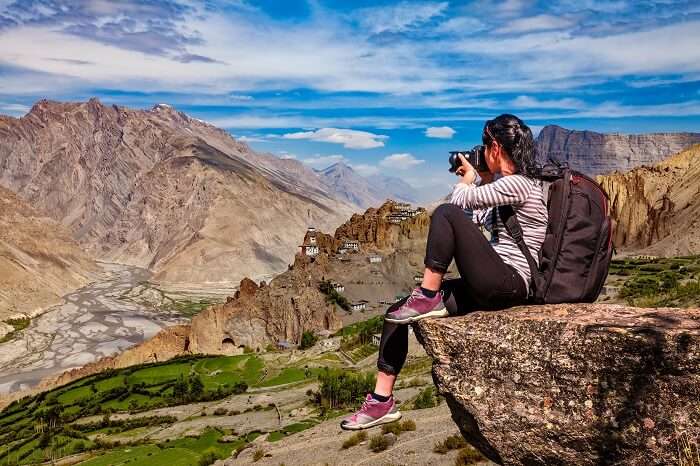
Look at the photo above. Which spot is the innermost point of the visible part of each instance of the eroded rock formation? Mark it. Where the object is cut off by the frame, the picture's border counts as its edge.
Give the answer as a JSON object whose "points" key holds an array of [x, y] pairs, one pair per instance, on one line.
{"points": [[596, 153], [374, 230], [574, 384], [656, 207]]}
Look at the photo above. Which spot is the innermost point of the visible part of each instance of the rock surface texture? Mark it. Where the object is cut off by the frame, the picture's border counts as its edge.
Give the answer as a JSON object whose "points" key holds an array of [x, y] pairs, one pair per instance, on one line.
{"points": [[571, 384], [596, 153], [656, 208]]}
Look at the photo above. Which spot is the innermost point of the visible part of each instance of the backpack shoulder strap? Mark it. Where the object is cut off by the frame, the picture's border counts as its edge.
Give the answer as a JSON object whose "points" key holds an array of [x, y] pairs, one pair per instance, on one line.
{"points": [[516, 232]]}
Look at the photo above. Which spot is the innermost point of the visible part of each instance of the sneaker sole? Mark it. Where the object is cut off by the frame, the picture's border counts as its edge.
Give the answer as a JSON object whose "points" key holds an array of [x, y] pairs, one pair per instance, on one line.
{"points": [[408, 320], [387, 418]]}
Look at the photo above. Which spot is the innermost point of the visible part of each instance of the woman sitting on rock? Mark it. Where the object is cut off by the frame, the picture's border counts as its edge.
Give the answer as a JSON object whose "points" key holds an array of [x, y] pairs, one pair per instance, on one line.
{"points": [[494, 273]]}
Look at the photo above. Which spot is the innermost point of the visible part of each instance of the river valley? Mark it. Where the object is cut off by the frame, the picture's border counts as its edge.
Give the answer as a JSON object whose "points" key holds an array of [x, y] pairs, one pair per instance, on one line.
{"points": [[95, 321]]}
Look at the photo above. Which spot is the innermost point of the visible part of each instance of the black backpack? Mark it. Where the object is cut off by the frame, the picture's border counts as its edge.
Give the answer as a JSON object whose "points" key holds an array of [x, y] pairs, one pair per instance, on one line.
{"points": [[576, 252]]}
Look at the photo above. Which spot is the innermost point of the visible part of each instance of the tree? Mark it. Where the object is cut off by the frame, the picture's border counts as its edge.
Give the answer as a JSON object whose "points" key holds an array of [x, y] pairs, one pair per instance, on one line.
{"points": [[196, 387], [180, 389], [308, 339]]}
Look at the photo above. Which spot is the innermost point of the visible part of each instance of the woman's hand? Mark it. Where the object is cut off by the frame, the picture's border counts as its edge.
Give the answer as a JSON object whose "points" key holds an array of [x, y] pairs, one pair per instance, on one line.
{"points": [[466, 171]]}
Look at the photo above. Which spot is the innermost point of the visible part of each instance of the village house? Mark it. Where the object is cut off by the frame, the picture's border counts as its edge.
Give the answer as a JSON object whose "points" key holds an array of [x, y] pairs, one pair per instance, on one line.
{"points": [[375, 259], [377, 338], [310, 250], [351, 245], [359, 305], [644, 257], [338, 287]]}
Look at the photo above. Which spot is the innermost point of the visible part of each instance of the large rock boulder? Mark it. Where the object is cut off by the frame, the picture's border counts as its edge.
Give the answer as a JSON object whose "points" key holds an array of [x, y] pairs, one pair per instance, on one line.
{"points": [[578, 384]]}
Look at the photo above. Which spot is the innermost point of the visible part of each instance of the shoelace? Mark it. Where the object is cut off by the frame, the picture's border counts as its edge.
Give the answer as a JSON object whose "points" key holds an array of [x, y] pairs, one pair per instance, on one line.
{"points": [[414, 295], [363, 409]]}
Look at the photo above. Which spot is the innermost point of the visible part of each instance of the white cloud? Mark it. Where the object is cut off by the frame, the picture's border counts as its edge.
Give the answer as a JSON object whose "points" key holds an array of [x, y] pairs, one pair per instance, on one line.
{"points": [[534, 23], [283, 154], [247, 139], [524, 101], [400, 17], [403, 161], [441, 132], [349, 138], [13, 109], [462, 25], [323, 161]]}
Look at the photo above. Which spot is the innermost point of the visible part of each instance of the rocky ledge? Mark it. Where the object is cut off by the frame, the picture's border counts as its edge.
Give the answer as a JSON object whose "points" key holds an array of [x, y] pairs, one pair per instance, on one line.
{"points": [[578, 384]]}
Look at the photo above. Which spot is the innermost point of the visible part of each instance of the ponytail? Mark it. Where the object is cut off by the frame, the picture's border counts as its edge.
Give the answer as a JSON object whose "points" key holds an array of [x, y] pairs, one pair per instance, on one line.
{"points": [[517, 140]]}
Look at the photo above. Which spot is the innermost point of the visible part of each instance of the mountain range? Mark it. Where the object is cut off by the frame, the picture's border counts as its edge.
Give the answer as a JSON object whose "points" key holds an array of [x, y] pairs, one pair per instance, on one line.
{"points": [[370, 191], [158, 189], [161, 190], [597, 153]]}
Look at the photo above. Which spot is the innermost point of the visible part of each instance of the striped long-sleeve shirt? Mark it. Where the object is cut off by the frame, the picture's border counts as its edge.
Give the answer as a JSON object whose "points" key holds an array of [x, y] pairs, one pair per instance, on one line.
{"points": [[526, 195]]}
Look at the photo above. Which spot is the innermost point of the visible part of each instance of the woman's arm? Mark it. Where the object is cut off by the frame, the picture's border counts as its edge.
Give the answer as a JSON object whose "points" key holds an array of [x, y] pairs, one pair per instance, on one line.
{"points": [[512, 189]]}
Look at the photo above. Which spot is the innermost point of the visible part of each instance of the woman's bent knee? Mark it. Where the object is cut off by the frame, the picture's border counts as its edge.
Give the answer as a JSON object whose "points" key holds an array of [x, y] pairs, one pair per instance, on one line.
{"points": [[447, 209]]}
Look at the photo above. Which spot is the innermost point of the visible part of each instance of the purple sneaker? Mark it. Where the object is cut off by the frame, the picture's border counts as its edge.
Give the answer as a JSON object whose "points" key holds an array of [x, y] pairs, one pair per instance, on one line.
{"points": [[418, 306], [372, 413]]}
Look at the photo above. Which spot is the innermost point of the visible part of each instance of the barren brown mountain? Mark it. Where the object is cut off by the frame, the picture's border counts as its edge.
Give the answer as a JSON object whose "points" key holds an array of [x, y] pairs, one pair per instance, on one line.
{"points": [[161, 190], [39, 261], [656, 207]]}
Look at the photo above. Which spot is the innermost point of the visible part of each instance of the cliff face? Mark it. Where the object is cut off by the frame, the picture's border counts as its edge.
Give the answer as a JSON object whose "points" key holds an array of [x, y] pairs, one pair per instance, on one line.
{"points": [[596, 153], [161, 190], [259, 316], [39, 261], [656, 208], [575, 384]]}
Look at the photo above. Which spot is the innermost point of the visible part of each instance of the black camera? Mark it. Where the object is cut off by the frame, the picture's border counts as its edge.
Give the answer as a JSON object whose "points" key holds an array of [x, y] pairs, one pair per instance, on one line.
{"points": [[476, 157]]}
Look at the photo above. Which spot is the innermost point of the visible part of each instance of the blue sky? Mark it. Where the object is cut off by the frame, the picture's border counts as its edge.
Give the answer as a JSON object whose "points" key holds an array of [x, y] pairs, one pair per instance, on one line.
{"points": [[384, 86]]}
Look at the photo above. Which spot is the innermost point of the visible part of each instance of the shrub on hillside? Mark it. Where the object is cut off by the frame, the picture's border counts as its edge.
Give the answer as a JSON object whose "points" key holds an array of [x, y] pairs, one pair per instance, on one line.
{"points": [[308, 339], [355, 439], [408, 425], [332, 296], [468, 456], [453, 442], [378, 443], [425, 399]]}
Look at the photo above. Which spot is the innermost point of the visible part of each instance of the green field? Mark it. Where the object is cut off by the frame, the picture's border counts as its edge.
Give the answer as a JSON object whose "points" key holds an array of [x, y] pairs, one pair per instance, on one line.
{"points": [[146, 454], [661, 282], [34, 428]]}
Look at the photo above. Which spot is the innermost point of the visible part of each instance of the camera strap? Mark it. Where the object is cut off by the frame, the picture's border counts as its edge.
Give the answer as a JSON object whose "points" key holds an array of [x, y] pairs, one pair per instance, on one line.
{"points": [[510, 221]]}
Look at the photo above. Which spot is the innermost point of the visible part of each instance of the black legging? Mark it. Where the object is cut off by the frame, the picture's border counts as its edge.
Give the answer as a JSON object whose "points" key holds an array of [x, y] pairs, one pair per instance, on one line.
{"points": [[486, 281]]}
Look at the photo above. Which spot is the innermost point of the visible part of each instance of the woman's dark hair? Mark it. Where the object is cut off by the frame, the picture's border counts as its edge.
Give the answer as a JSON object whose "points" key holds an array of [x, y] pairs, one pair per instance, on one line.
{"points": [[516, 138]]}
